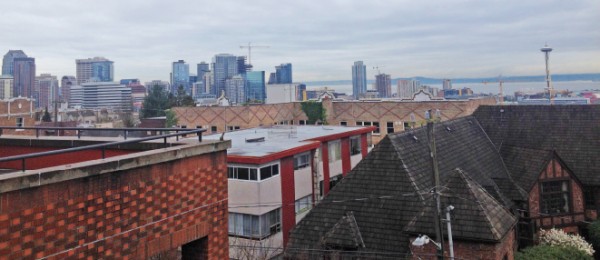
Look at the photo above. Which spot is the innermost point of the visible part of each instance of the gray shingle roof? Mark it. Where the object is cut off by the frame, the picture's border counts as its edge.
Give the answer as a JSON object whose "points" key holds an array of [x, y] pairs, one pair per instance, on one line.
{"points": [[344, 234], [476, 215], [524, 164], [573, 131]]}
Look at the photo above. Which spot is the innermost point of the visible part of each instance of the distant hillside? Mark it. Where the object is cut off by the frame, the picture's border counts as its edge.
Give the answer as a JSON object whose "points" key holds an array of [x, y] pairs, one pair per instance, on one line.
{"points": [[425, 80]]}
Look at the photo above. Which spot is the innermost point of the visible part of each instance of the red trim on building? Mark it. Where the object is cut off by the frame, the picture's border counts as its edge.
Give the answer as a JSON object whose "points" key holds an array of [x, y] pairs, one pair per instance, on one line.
{"points": [[232, 158], [288, 209], [364, 145], [345, 156], [325, 160], [363, 130]]}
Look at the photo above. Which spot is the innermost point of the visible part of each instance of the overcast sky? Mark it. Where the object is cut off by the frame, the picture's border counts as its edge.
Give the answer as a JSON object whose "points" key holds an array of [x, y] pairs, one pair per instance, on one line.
{"points": [[320, 38]]}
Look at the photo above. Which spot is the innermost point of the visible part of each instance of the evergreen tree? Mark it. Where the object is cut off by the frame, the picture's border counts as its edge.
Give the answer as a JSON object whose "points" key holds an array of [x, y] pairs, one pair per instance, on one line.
{"points": [[155, 103], [46, 117], [181, 98]]}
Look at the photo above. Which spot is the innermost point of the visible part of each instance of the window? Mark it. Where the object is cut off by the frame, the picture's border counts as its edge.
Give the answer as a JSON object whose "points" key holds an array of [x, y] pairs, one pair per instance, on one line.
{"points": [[343, 123], [390, 127], [376, 124], [269, 171], [233, 128], [301, 122], [255, 226], [335, 180], [213, 129], [301, 161], [20, 122], [554, 197], [355, 145], [335, 151], [242, 173], [406, 125], [303, 204]]}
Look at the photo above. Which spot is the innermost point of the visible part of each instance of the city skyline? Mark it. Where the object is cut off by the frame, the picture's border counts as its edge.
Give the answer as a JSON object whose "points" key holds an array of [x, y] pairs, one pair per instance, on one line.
{"points": [[404, 39]]}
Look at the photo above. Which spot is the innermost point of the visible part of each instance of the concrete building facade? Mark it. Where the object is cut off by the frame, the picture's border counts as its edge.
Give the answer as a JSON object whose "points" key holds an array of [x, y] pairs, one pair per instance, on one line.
{"points": [[46, 90], [94, 70]]}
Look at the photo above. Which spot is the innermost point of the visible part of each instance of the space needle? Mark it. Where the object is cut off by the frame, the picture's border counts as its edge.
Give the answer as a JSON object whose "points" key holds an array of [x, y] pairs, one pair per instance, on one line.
{"points": [[546, 50]]}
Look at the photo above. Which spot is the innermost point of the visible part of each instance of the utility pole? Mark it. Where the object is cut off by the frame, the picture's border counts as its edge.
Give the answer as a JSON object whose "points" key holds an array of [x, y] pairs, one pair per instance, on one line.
{"points": [[436, 180]]}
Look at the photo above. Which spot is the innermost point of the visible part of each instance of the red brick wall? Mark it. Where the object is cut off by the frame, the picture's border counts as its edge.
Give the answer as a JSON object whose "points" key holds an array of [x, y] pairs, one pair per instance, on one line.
{"points": [[555, 171], [131, 214], [15, 111], [470, 250]]}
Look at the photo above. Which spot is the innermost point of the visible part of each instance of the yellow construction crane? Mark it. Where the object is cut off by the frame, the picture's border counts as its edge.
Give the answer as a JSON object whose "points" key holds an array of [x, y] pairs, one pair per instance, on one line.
{"points": [[500, 89], [249, 47]]}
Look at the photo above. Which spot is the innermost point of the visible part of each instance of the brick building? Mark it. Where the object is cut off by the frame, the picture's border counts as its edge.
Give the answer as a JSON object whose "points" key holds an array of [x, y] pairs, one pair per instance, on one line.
{"points": [[387, 116], [144, 200], [507, 170], [277, 173], [17, 112]]}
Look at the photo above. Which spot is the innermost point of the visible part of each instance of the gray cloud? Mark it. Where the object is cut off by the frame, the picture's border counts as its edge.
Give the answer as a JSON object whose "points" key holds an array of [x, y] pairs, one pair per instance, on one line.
{"points": [[321, 38]]}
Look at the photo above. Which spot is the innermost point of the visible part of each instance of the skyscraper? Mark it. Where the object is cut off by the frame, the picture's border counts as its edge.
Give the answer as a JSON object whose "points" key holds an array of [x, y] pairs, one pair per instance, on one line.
{"points": [[407, 87], [235, 89], [242, 66], [180, 76], [6, 87], [7, 61], [446, 84], [24, 77], [97, 69], [255, 86], [359, 79], [202, 68], [225, 66], [46, 87], [65, 87], [383, 85], [283, 73]]}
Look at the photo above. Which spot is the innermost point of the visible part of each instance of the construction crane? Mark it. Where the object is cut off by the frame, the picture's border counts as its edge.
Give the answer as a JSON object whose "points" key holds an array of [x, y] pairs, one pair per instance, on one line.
{"points": [[500, 89], [249, 47]]}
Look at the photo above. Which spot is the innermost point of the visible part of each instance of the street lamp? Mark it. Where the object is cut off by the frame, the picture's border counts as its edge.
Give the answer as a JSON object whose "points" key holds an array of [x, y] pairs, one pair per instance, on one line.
{"points": [[422, 240]]}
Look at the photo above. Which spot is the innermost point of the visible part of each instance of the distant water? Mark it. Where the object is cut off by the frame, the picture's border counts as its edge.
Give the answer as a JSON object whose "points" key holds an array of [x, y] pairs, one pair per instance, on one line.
{"points": [[509, 87]]}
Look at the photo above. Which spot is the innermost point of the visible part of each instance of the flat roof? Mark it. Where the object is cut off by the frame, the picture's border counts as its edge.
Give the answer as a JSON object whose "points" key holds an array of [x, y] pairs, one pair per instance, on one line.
{"points": [[282, 138]]}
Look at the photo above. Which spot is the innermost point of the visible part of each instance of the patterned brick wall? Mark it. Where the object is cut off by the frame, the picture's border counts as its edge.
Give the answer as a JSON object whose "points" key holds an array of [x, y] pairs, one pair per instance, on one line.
{"points": [[127, 214], [18, 108]]}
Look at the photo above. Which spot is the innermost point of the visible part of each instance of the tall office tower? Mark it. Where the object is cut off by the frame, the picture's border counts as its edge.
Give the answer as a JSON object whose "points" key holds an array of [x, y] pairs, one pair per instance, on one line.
{"points": [[235, 89], [301, 91], [242, 66], [164, 85], [209, 82], [9, 58], [255, 86], [446, 84], [180, 76], [201, 86], [202, 68], [6, 87], [24, 77], [383, 85], [359, 79], [66, 82], [75, 97], [407, 87], [97, 69], [46, 87], [272, 78], [225, 66], [283, 73]]}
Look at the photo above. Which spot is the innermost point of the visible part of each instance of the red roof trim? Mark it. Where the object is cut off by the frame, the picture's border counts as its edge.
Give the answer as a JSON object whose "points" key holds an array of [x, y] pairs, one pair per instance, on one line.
{"points": [[232, 158]]}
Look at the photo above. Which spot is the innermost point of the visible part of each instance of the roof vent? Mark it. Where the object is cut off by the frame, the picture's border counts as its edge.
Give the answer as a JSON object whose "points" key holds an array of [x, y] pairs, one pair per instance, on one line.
{"points": [[501, 110], [415, 137], [255, 140], [448, 129]]}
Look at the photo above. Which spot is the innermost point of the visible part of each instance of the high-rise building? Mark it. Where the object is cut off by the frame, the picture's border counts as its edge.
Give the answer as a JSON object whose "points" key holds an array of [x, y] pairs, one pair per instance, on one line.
{"points": [[24, 77], [97, 69], [202, 68], [66, 82], [46, 87], [383, 85], [111, 95], [301, 91], [283, 73], [407, 87], [242, 66], [225, 66], [447, 84], [180, 76], [201, 85], [272, 78], [6, 87], [255, 86], [7, 61], [359, 79], [164, 85], [235, 89]]}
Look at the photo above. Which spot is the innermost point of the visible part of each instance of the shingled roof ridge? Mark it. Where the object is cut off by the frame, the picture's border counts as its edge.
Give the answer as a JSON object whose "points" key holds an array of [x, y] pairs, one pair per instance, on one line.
{"points": [[387, 140], [346, 221], [473, 187]]}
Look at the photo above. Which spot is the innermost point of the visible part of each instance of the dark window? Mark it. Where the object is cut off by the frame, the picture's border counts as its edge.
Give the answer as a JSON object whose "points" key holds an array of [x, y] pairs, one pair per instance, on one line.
{"points": [[243, 173], [588, 195], [213, 129], [359, 123], [20, 122], [355, 145], [376, 124], [390, 127], [554, 197], [301, 122], [269, 171], [301, 161], [343, 123], [406, 125], [334, 181], [321, 191]]}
